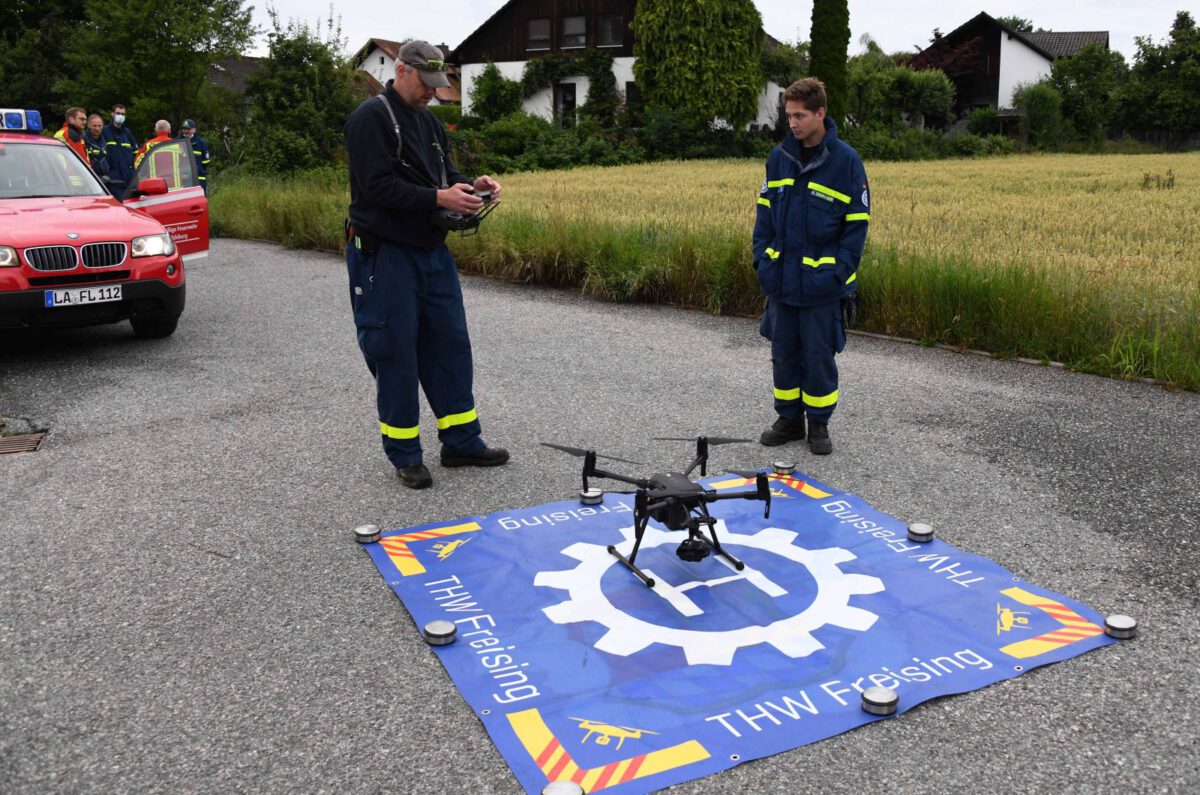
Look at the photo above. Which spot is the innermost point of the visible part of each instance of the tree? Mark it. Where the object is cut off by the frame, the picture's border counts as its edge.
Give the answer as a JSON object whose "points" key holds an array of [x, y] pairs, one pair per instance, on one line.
{"points": [[830, 42], [1163, 91], [154, 58], [301, 95], [955, 61], [785, 63], [924, 95], [493, 96], [1087, 82], [868, 79], [1042, 107], [700, 55], [1019, 24], [32, 37]]}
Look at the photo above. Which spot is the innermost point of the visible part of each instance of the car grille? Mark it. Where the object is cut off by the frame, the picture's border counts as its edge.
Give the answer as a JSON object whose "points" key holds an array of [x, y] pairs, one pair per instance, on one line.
{"points": [[52, 258], [78, 278], [103, 255]]}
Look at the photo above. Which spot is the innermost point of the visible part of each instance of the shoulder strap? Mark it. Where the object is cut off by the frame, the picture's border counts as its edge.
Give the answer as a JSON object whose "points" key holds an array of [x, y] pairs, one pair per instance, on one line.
{"points": [[400, 141]]}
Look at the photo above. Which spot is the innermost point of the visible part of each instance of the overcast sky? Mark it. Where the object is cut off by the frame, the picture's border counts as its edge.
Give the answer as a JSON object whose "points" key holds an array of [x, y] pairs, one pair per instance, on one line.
{"points": [[895, 25]]}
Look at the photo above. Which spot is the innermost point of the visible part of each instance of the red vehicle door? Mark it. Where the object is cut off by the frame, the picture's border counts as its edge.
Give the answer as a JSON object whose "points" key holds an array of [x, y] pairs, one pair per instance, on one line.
{"points": [[183, 210]]}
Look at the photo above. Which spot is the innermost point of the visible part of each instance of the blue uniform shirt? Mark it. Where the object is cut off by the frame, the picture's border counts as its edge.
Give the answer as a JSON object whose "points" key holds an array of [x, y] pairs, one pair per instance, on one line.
{"points": [[119, 147]]}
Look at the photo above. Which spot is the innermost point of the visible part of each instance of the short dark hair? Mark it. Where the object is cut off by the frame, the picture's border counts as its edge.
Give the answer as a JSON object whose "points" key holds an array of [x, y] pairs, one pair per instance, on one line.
{"points": [[75, 111], [810, 91], [118, 105]]}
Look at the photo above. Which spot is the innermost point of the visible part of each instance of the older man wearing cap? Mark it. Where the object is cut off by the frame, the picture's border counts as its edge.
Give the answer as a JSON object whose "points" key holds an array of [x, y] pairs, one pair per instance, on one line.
{"points": [[199, 149], [404, 286]]}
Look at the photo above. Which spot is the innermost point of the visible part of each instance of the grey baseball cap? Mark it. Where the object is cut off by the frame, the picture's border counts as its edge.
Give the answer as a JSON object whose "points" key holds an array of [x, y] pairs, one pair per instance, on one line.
{"points": [[428, 60]]}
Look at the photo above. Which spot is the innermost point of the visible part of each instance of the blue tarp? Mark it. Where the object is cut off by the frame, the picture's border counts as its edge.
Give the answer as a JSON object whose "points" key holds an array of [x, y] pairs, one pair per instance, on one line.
{"points": [[580, 672]]}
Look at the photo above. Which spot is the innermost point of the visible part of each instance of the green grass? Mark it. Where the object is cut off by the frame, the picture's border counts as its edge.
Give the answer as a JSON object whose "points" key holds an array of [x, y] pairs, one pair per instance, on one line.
{"points": [[1103, 326]]}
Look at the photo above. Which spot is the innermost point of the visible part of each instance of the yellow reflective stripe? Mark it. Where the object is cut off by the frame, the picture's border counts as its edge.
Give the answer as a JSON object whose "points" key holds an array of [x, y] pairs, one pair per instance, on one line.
{"points": [[398, 433], [858, 216], [779, 183], [821, 261], [853, 276], [820, 402], [764, 202], [772, 253], [456, 419], [787, 394], [829, 192], [126, 144], [111, 143]]}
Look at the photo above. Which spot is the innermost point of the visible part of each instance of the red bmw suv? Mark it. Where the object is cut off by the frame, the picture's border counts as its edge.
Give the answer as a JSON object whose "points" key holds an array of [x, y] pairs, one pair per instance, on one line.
{"points": [[73, 255]]}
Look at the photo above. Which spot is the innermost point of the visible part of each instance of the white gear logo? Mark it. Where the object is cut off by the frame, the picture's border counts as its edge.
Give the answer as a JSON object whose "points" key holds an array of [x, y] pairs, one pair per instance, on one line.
{"points": [[792, 636]]}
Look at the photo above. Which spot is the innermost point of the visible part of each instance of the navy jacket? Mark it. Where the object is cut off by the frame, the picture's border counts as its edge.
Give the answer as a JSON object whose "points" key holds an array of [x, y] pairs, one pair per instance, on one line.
{"points": [[387, 200], [812, 222], [119, 147], [96, 153], [203, 156]]}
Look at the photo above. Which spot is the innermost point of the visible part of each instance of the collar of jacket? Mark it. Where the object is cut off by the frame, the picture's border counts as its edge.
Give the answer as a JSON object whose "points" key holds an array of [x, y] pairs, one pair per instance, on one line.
{"points": [[791, 147], [393, 96]]}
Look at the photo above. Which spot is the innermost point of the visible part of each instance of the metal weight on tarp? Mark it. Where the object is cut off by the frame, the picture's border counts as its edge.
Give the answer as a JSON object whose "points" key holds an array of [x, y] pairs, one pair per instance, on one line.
{"points": [[920, 533], [366, 534], [880, 700], [784, 467], [1120, 627], [563, 788], [440, 633], [591, 496]]}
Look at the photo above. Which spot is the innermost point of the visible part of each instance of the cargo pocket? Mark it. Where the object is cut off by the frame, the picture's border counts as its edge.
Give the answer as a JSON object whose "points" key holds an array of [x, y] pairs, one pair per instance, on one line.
{"points": [[374, 336], [770, 271]]}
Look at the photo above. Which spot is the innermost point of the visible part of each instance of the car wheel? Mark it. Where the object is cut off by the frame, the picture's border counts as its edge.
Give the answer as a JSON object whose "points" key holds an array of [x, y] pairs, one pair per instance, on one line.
{"points": [[153, 328]]}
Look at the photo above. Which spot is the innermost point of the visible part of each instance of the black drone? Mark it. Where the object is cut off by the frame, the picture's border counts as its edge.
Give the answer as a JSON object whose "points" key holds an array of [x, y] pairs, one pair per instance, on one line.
{"points": [[675, 501]]}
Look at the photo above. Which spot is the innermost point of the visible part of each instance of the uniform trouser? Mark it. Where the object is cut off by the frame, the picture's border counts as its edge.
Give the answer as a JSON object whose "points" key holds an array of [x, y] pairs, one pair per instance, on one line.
{"points": [[412, 330], [804, 341]]}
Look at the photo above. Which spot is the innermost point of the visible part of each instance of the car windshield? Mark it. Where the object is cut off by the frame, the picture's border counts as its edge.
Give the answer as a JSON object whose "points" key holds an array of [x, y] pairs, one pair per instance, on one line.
{"points": [[37, 171]]}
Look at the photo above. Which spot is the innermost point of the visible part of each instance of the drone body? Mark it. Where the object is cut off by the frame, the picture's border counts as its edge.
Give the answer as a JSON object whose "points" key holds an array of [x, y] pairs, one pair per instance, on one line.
{"points": [[676, 502]]}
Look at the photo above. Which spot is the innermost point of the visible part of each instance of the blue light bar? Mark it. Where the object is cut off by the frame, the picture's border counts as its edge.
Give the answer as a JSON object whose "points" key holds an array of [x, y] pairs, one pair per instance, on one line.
{"points": [[16, 120]]}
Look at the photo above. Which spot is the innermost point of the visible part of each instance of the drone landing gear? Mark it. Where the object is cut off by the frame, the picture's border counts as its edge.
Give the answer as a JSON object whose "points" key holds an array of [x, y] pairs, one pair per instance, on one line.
{"points": [[696, 547]]}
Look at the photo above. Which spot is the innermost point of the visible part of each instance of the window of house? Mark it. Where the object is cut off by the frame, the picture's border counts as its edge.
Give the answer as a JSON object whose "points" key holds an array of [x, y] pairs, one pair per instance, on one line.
{"points": [[574, 32], [539, 34], [612, 30], [381, 59]]}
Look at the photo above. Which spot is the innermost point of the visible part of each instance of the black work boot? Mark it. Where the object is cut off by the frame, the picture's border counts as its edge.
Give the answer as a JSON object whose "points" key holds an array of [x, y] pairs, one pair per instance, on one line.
{"points": [[415, 476], [484, 457], [818, 439], [784, 430]]}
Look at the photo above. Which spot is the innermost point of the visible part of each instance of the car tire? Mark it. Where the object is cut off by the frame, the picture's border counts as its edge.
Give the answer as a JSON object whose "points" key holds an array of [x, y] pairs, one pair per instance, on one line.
{"points": [[152, 328]]}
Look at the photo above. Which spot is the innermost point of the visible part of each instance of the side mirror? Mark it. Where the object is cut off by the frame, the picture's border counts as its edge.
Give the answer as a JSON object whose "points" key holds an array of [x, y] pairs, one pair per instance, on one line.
{"points": [[155, 186]]}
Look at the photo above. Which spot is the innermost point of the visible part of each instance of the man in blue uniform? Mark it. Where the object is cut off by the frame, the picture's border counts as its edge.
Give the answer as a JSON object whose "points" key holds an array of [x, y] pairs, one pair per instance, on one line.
{"points": [[199, 149], [404, 286], [813, 210], [119, 148]]}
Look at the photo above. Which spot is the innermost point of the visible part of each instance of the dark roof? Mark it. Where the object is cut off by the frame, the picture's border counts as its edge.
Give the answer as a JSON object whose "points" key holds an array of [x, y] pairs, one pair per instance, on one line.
{"points": [[1063, 45], [389, 47], [232, 73], [1050, 45]]}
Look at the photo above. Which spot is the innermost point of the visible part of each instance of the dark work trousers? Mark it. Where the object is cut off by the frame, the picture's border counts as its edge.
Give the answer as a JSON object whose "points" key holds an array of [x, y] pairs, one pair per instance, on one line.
{"points": [[804, 341], [412, 330]]}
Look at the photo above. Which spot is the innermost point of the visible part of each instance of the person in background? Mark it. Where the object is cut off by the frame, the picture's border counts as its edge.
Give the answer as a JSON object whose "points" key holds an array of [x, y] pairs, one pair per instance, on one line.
{"points": [[119, 149], [93, 141], [199, 149], [162, 134], [72, 131]]}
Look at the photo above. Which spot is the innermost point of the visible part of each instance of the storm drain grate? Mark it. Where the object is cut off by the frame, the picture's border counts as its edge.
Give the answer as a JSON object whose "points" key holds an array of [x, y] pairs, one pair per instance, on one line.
{"points": [[21, 443]]}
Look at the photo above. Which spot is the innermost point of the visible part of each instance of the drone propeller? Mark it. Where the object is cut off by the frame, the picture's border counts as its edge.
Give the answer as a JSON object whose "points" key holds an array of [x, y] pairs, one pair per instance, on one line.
{"points": [[582, 453], [743, 473], [711, 439]]}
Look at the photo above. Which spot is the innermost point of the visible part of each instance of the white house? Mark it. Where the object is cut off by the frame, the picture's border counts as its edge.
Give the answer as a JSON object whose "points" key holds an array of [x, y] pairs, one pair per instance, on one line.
{"points": [[522, 30], [377, 58]]}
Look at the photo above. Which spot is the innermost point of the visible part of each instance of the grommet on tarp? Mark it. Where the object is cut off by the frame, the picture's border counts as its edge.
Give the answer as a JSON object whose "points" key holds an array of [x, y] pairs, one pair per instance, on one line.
{"points": [[366, 534], [880, 700], [440, 633], [1121, 627], [591, 496], [784, 467], [563, 788], [920, 532]]}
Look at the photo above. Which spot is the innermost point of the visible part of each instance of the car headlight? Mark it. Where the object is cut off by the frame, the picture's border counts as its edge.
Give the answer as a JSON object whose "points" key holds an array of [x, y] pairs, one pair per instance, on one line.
{"points": [[153, 246], [8, 257]]}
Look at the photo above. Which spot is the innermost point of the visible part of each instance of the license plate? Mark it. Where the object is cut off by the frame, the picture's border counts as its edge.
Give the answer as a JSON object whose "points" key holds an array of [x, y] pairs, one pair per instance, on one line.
{"points": [[83, 295]]}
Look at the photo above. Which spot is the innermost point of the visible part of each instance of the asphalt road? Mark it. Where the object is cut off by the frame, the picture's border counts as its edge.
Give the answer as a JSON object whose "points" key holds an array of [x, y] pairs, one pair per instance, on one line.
{"points": [[184, 607]]}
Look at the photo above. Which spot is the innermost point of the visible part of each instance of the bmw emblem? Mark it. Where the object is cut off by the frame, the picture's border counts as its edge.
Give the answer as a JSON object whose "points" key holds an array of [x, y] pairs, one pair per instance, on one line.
{"points": [[72, 236]]}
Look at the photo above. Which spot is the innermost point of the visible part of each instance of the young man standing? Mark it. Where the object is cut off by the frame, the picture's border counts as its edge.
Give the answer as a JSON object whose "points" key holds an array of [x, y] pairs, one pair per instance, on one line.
{"points": [[404, 287], [72, 132], [813, 210]]}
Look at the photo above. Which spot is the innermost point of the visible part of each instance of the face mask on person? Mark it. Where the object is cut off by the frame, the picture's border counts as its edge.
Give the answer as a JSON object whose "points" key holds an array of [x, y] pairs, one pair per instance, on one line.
{"points": [[118, 119]]}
